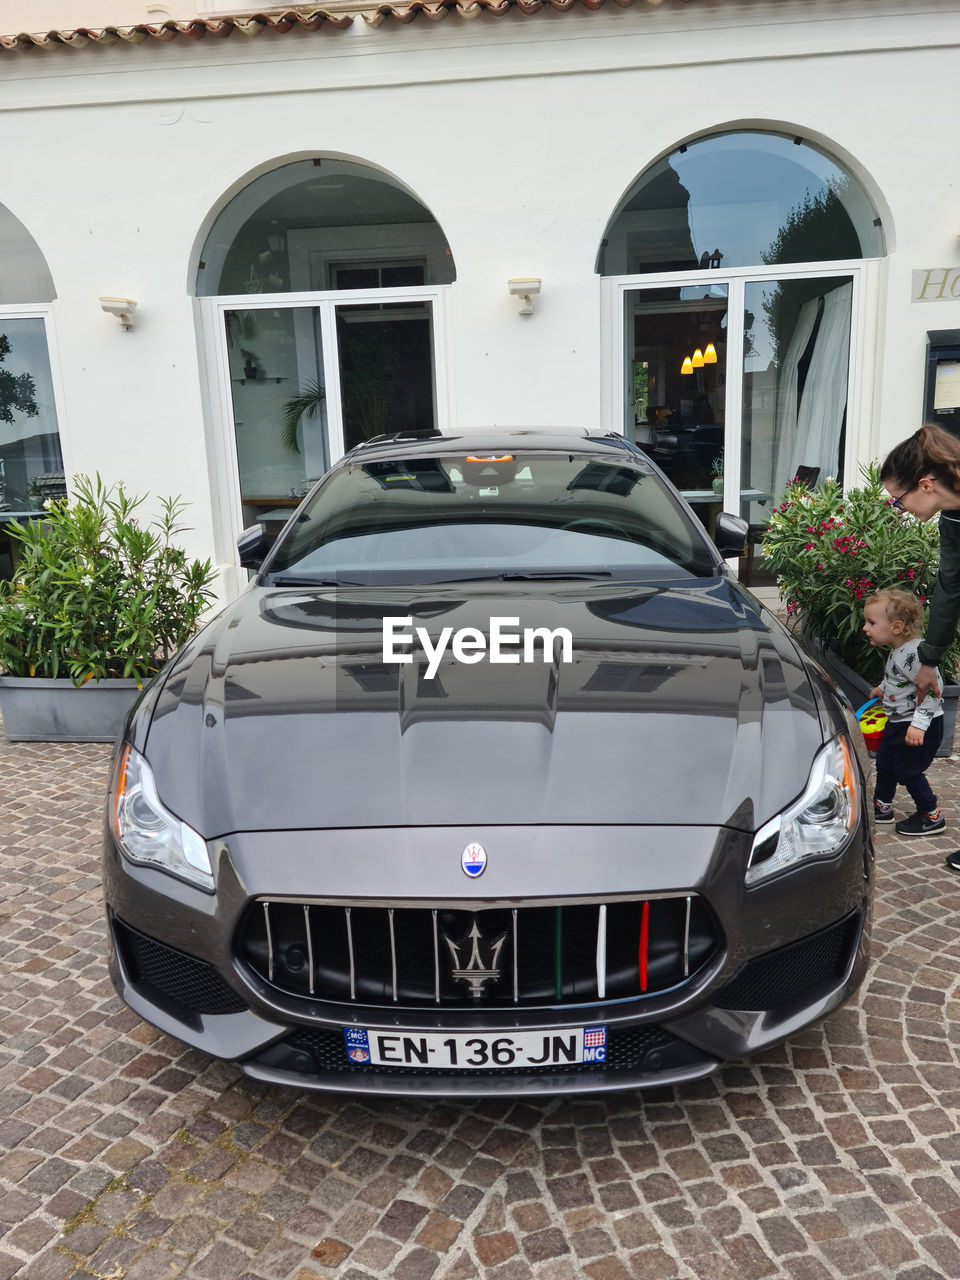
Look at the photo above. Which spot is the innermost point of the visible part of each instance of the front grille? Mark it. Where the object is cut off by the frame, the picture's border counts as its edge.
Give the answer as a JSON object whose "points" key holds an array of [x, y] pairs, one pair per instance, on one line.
{"points": [[500, 957], [182, 984], [771, 980], [649, 1049]]}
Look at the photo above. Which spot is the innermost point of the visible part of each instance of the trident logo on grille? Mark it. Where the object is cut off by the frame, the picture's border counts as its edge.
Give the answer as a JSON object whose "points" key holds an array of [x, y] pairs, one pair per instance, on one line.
{"points": [[475, 973]]}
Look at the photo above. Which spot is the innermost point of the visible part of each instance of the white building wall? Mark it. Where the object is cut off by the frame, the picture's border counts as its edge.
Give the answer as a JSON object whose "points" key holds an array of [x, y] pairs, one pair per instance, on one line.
{"points": [[519, 133]]}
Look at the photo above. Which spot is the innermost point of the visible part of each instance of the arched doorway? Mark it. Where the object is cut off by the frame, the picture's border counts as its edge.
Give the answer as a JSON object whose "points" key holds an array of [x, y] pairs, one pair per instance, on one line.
{"points": [[736, 265], [321, 281]]}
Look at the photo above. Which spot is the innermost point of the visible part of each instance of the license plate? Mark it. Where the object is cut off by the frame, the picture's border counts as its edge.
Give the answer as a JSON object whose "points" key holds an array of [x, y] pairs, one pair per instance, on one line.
{"points": [[473, 1051]]}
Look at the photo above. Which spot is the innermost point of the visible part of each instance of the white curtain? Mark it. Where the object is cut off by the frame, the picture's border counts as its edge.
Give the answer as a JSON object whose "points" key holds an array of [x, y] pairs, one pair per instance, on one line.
{"points": [[824, 398], [785, 435]]}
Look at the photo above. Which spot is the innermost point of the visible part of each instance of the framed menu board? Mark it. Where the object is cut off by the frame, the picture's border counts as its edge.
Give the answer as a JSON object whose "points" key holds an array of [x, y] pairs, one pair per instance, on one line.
{"points": [[942, 383]]}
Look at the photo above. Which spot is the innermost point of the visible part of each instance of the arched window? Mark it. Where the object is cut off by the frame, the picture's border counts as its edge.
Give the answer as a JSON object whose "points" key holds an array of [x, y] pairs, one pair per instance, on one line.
{"points": [[24, 274], [31, 464], [736, 200], [323, 224], [736, 353], [312, 377]]}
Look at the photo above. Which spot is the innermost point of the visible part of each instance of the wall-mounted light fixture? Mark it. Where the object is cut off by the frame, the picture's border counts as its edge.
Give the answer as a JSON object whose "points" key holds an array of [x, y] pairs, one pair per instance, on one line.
{"points": [[122, 308], [524, 288]]}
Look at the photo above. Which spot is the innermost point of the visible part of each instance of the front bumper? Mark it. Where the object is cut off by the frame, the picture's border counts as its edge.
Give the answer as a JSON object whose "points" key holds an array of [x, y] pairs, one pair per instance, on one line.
{"points": [[792, 950]]}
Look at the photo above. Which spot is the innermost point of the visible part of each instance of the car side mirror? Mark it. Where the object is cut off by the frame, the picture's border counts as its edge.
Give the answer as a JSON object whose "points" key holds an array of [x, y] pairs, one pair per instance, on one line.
{"points": [[730, 535], [253, 545]]}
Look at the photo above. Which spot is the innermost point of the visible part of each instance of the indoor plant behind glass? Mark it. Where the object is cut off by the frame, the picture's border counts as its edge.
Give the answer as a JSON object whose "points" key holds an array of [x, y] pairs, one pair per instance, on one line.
{"points": [[97, 604], [830, 550]]}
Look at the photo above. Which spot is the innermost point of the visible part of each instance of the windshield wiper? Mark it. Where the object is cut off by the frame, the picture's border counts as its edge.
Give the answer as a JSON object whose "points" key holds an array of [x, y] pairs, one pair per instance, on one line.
{"points": [[291, 580], [555, 575], [532, 575]]}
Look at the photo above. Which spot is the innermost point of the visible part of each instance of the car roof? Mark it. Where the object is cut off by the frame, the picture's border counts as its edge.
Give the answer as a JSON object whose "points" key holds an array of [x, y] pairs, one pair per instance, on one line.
{"points": [[490, 440]]}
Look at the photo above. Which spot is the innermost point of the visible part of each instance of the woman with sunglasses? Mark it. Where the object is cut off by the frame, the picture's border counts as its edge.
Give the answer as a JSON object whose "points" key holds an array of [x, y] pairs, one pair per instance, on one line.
{"points": [[922, 476]]}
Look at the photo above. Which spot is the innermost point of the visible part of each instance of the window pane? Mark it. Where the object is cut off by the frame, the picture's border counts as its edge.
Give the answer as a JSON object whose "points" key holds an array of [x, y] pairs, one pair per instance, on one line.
{"points": [[676, 386], [31, 466], [279, 404], [796, 356], [386, 369], [740, 199], [318, 225]]}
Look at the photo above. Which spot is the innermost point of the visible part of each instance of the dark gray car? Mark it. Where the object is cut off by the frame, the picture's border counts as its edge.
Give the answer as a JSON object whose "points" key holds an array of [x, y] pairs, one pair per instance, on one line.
{"points": [[494, 780]]}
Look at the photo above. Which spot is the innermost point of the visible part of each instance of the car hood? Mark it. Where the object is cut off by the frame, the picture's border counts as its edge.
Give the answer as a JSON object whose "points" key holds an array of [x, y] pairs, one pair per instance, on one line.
{"points": [[684, 703]]}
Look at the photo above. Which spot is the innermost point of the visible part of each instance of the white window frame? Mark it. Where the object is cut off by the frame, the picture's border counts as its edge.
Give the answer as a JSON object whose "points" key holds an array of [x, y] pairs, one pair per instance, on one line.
{"points": [[866, 275], [46, 312], [222, 456]]}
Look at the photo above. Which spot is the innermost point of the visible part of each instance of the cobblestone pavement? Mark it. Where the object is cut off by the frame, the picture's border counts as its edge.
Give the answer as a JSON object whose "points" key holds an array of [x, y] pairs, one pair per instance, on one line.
{"points": [[125, 1154]]}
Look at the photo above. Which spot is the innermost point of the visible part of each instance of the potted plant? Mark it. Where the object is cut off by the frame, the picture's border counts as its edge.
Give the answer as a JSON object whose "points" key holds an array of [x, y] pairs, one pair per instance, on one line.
{"points": [[830, 550], [96, 606], [306, 404]]}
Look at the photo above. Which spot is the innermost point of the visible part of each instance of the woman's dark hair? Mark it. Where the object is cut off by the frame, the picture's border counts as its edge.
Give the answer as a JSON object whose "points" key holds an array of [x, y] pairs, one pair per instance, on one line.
{"points": [[931, 451]]}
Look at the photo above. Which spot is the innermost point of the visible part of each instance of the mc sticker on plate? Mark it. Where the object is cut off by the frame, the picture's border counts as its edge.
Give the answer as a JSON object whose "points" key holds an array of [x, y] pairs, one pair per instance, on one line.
{"points": [[358, 1045]]}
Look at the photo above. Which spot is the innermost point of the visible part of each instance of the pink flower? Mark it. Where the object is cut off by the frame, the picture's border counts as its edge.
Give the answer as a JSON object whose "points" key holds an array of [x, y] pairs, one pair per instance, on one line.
{"points": [[808, 547]]}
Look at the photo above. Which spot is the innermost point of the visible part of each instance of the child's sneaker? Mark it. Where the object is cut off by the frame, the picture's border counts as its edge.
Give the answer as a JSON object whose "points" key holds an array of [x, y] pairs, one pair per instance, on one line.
{"points": [[920, 824], [881, 814]]}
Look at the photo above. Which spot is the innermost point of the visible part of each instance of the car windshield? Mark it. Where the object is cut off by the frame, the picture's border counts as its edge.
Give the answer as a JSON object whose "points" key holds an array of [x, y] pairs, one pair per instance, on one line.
{"points": [[523, 515]]}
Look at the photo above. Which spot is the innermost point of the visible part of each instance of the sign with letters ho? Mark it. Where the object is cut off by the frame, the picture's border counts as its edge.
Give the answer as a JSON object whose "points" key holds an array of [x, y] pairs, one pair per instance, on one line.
{"points": [[935, 284]]}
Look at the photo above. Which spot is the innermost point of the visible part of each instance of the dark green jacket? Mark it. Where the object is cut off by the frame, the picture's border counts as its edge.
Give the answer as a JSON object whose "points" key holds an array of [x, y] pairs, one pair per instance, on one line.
{"points": [[945, 601]]}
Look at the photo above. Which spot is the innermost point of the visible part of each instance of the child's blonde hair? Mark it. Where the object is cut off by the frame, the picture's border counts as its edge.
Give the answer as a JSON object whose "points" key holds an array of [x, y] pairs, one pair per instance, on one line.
{"points": [[900, 606]]}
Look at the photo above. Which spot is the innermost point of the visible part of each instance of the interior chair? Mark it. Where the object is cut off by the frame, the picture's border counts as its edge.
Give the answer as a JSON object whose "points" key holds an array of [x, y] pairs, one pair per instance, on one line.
{"points": [[807, 476]]}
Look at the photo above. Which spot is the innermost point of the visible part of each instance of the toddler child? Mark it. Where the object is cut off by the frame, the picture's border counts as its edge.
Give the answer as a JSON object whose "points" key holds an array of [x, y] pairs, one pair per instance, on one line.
{"points": [[914, 728]]}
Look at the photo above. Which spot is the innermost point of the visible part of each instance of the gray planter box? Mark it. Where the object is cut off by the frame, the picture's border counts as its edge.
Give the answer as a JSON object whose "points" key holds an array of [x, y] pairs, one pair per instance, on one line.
{"points": [[39, 710], [857, 690]]}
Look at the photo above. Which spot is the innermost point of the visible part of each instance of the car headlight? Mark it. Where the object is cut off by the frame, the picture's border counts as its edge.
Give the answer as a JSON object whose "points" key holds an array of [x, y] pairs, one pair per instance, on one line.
{"points": [[150, 834], [819, 824]]}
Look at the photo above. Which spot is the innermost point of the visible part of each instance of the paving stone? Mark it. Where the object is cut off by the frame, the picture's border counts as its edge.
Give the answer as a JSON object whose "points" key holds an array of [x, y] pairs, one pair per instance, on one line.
{"points": [[495, 1248], [418, 1265], [531, 1217], [330, 1252]]}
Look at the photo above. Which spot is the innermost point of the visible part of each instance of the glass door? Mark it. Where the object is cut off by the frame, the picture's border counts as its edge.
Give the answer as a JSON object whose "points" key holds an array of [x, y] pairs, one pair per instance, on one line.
{"points": [[279, 399], [308, 383], [735, 444], [386, 368], [796, 356], [676, 371]]}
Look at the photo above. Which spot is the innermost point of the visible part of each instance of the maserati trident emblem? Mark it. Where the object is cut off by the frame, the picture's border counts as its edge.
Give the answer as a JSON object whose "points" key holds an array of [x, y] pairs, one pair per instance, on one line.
{"points": [[475, 973], [473, 860]]}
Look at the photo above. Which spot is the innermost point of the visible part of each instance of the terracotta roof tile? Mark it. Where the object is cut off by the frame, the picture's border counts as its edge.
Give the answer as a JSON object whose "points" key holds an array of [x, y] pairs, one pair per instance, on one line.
{"points": [[280, 22], [191, 29]]}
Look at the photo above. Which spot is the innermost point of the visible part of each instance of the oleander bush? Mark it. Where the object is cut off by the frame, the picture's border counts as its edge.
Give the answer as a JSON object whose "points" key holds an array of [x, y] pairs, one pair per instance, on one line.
{"points": [[96, 593]]}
